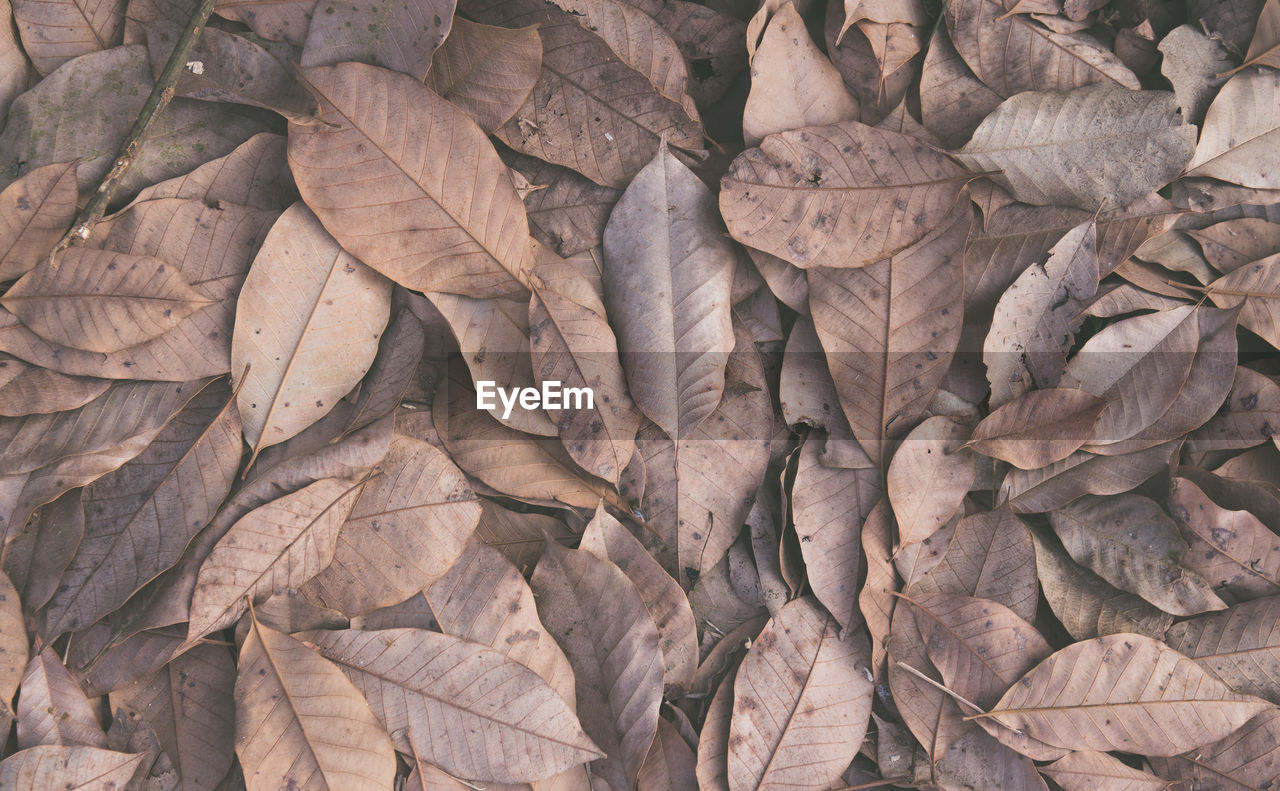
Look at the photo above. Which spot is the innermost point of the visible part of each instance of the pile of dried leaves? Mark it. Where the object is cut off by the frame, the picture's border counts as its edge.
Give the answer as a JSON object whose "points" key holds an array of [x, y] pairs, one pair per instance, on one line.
{"points": [[935, 431]]}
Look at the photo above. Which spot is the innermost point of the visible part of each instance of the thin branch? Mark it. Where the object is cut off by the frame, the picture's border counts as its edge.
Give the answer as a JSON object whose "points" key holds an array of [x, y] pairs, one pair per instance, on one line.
{"points": [[959, 698], [161, 93]]}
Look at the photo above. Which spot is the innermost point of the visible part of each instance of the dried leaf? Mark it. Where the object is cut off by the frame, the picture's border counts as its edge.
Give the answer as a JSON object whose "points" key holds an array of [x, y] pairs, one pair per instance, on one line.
{"points": [[1051, 151], [37, 209], [667, 275], [1038, 428], [410, 523], [486, 71], [52, 709], [55, 31], [570, 211], [101, 301], [472, 240], [801, 702], [300, 722], [70, 768], [792, 82], [1192, 62], [670, 765], [952, 100], [1038, 491], [929, 476], [1093, 771], [40, 391], [1240, 130], [398, 36], [989, 557], [1246, 759], [1097, 695], [1130, 542], [1233, 550], [427, 690], [1240, 645], [306, 303], [799, 196]]}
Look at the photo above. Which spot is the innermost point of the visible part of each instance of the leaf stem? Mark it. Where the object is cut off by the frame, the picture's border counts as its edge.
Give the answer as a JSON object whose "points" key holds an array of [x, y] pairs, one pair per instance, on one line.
{"points": [[959, 698], [161, 93]]}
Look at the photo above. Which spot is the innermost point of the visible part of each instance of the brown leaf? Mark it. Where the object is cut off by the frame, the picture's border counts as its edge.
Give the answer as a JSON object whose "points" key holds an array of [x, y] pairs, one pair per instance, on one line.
{"points": [[1232, 244], [805, 389], [637, 99], [712, 769], [875, 598], [275, 20], [30, 390], [1036, 319], [889, 331], [486, 71], [986, 31], [829, 505], [570, 211], [670, 764], [427, 690], [977, 760], [574, 345], [711, 42], [13, 648], [853, 214], [952, 100], [1132, 544], [1051, 150], [1246, 759], [1255, 286], [1250, 416], [1241, 646], [52, 709], [607, 539], [929, 477], [989, 557], [801, 702], [1097, 695], [398, 36], [1191, 62], [1038, 428], [250, 176], [307, 327], [1093, 771], [190, 706], [1233, 550], [37, 209], [70, 768], [667, 275], [599, 618], [519, 537], [1239, 130], [55, 31], [159, 501], [281, 544], [300, 722], [393, 372], [419, 511], [1038, 491], [478, 242], [792, 82], [102, 302]]}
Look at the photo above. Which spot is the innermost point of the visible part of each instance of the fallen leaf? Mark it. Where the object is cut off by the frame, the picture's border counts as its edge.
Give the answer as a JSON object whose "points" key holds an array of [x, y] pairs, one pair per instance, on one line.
{"points": [[1246, 758], [486, 71], [39, 391], [398, 36], [929, 476], [1038, 428], [55, 31], [1191, 62], [52, 710], [300, 721], [38, 208], [1239, 128], [988, 557], [1231, 549], [1239, 645], [71, 768], [1086, 770]]}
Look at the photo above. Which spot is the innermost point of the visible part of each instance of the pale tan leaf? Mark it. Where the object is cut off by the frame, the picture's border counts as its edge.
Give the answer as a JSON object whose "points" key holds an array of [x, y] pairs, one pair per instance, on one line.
{"points": [[190, 705], [805, 389], [1247, 759], [712, 769], [977, 760], [13, 647], [1131, 543], [31, 390], [1241, 645], [792, 82], [1255, 287], [139, 519], [844, 195], [574, 345], [485, 70], [52, 709], [37, 209], [952, 100], [667, 276], [600, 107], [1052, 151], [400, 36], [307, 326], [1231, 549], [458, 224], [986, 34], [801, 703], [711, 42], [410, 523], [1038, 491], [829, 506], [934, 718], [1038, 428], [1086, 604], [1098, 695], [989, 557], [1240, 131], [55, 31], [570, 211], [69, 768], [878, 323], [875, 599], [300, 723], [443, 695], [15, 69], [1232, 244], [100, 301], [929, 477], [248, 176], [281, 544], [1037, 317], [519, 537], [275, 20], [1093, 771], [1250, 416], [1192, 61], [600, 620], [670, 765]]}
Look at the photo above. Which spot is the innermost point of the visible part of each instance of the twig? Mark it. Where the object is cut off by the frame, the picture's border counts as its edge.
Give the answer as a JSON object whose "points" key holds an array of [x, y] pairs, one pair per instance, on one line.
{"points": [[161, 93], [959, 698]]}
